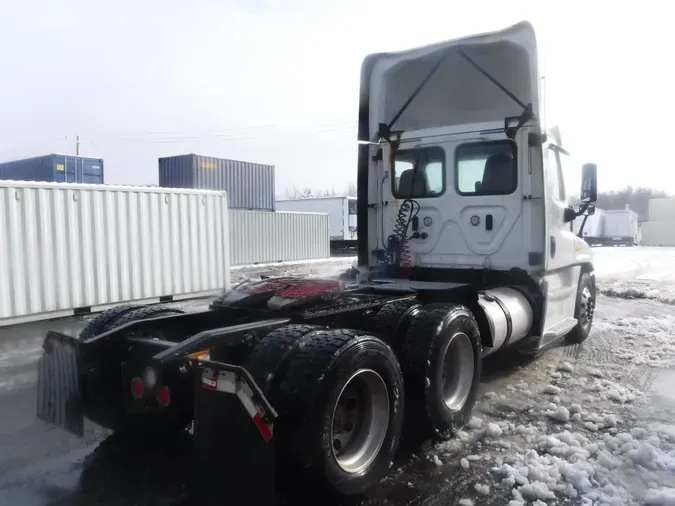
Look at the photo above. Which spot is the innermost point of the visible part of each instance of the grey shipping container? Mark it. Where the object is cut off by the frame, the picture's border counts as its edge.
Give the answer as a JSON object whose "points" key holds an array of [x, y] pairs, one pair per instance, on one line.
{"points": [[248, 185], [54, 168]]}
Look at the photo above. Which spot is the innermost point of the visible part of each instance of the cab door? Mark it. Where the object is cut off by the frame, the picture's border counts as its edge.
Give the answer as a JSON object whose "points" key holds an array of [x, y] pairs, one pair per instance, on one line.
{"points": [[562, 275]]}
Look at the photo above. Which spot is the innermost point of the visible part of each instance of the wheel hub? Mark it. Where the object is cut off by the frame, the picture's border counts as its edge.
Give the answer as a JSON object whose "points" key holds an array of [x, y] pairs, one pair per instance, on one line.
{"points": [[457, 369], [360, 421], [587, 308]]}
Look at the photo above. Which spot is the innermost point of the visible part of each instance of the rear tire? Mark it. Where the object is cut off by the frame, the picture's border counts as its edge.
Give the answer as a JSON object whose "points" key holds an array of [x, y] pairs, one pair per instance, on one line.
{"points": [[344, 399], [142, 313], [584, 310], [269, 360], [104, 319], [391, 322], [441, 362]]}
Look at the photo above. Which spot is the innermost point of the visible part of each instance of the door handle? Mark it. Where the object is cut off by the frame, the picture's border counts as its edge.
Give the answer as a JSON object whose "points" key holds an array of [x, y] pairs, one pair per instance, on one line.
{"points": [[488, 222]]}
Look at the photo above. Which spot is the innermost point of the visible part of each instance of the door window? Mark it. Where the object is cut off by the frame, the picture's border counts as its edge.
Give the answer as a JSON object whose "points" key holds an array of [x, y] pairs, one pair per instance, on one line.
{"points": [[555, 174], [486, 168]]}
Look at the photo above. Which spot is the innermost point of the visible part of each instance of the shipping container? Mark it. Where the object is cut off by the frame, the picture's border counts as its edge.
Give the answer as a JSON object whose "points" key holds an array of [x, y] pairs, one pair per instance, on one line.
{"points": [[621, 227], [662, 210], [593, 228], [54, 168], [262, 237], [71, 248], [341, 210], [658, 233], [248, 185]]}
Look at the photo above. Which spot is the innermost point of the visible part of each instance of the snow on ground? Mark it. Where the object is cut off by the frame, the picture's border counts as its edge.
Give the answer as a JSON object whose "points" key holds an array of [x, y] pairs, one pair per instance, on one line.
{"points": [[644, 340], [582, 451], [568, 427]]}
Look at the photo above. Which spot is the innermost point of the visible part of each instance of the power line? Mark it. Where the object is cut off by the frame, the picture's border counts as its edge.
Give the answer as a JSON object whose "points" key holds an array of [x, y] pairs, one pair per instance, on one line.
{"points": [[221, 132]]}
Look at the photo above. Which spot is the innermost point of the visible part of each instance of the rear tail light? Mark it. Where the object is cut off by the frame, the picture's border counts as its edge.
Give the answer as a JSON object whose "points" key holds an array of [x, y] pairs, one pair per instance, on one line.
{"points": [[137, 388], [163, 396]]}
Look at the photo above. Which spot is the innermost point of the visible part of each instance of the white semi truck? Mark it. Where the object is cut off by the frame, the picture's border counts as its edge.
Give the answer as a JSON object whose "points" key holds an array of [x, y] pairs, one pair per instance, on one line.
{"points": [[465, 249]]}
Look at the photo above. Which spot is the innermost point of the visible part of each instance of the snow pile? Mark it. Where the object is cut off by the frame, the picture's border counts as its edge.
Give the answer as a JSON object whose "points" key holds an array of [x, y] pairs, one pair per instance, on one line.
{"points": [[639, 289], [610, 470], [645, 341], [664, 497], [612, 391], [482, 488], [566, 367], [558, 413]]}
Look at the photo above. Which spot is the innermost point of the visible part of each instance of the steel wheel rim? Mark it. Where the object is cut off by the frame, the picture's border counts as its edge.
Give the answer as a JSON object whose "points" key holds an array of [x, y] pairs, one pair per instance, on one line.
{"points": [[586, 308], [360, 421], [457, 369]]}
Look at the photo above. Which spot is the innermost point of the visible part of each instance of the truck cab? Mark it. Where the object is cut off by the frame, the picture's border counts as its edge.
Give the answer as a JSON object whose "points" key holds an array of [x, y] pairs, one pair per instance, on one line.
{"points": [[459, 177]]}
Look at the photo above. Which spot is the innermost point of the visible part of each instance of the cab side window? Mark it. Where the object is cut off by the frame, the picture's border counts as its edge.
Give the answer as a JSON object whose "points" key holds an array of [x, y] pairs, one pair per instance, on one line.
{"points": [[554, 172]]}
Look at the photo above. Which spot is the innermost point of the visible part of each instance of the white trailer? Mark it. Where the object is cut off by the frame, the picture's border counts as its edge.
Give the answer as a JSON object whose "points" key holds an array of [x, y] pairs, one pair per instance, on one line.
{"points": [[621, 227], [341, 210], [594, 228]]}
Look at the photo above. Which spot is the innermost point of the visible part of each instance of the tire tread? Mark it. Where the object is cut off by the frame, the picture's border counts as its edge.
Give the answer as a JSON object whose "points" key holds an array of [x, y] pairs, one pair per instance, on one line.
{"points": [[97, 325]]}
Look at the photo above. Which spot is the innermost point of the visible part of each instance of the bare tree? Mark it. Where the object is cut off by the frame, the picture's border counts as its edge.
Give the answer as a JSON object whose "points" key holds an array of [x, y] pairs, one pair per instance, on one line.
{"points": [[293, 193], [351, 189]]}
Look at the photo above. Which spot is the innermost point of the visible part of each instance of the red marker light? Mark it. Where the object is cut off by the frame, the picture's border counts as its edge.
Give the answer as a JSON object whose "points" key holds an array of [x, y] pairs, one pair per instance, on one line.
{"points": [[163, 396], [137, 388]]}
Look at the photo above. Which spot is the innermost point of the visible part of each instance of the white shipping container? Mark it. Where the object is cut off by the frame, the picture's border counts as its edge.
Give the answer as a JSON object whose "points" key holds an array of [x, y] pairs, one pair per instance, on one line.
{"points": [[342, 212], [621, 223], [68, 247], [265, 237], [662, 210], [658, 233], [595, 224]]}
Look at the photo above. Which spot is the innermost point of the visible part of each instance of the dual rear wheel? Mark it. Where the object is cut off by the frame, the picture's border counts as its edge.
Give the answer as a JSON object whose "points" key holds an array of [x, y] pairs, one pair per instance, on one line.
{"points": [[344, 396]]}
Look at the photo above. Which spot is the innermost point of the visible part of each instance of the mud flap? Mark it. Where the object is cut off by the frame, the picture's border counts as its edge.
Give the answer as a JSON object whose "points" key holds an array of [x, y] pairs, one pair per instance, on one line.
{"points": [[233, 439], [59, 400]]}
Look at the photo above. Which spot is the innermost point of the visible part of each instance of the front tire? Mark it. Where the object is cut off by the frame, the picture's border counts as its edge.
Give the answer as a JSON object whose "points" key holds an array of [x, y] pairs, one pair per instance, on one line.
{"points": [[344, 398], [441, 361], [584, 310]]}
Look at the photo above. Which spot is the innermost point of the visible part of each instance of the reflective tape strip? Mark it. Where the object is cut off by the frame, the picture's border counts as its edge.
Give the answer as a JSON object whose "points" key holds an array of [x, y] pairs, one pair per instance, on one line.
{"points": [[227, 382], [247, 402], [264, 429]]}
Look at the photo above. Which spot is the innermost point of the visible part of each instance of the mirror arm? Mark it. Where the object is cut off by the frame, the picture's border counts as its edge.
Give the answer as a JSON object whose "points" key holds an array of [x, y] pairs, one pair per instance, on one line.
{"points": [[581, 228], [583, 208]]}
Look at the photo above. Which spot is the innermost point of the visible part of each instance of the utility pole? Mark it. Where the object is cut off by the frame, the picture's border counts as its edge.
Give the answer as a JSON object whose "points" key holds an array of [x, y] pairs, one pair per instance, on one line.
{"points": [[77, 145]]}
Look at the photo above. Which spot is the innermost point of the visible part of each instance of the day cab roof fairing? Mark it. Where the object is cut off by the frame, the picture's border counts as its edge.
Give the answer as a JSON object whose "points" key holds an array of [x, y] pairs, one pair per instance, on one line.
{"points": [[458, 93]]}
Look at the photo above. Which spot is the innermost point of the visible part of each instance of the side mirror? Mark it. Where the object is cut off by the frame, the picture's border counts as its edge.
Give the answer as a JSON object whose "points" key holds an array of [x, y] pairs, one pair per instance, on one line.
{"points": [[590, 210], [589, 183]]}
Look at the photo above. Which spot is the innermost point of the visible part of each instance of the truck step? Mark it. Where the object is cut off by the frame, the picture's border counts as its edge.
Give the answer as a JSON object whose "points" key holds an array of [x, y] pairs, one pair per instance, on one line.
{"points": [[559, 330]]}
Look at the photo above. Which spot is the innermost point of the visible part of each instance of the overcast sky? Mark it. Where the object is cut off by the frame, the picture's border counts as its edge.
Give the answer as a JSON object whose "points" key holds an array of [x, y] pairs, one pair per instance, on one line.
{"points": [[277, 81]]}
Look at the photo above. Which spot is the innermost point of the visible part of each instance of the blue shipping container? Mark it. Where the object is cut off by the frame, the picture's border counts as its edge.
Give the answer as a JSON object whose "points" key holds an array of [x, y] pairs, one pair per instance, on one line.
{"points": [[54, 168], [248, 185]]}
